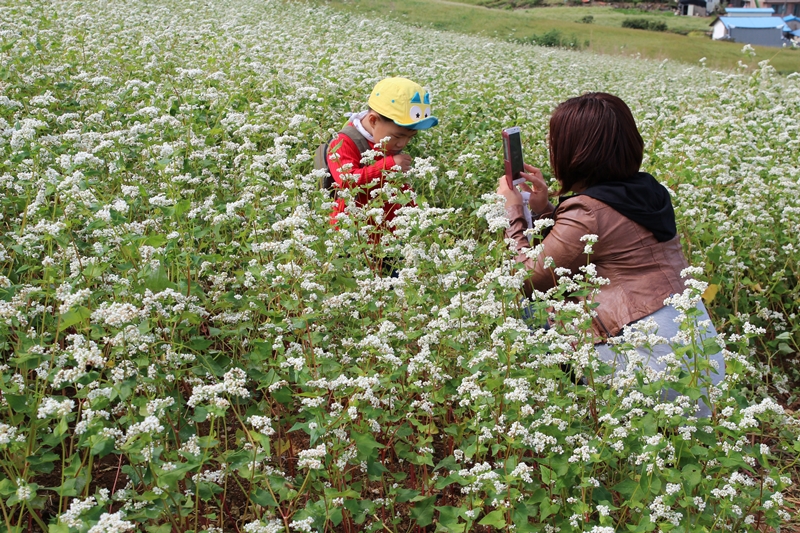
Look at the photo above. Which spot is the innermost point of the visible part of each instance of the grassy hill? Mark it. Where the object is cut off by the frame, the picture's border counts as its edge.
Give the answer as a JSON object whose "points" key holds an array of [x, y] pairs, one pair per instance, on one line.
{"points": [[604, 36]]}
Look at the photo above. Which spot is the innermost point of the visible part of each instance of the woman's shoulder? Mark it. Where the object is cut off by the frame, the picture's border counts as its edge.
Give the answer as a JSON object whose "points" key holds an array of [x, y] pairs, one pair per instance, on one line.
{"points": [[580, 202]]}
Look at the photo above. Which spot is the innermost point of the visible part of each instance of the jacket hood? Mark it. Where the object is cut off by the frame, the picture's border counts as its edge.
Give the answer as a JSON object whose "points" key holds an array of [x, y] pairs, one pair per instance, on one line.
{"points": [[642, 199]]}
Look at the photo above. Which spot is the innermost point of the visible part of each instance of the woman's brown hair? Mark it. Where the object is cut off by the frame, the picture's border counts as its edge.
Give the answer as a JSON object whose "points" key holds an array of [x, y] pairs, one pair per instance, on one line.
{"points": [[593, 139]]}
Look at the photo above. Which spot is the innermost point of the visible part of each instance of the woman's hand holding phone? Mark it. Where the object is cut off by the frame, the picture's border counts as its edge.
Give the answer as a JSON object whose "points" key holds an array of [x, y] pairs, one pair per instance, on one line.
{"points": [[540, 196], [535, 185], [511, 194]]}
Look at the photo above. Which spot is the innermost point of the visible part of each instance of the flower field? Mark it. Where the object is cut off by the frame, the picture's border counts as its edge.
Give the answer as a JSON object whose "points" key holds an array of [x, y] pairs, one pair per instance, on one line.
{"points": [[187, 344]]}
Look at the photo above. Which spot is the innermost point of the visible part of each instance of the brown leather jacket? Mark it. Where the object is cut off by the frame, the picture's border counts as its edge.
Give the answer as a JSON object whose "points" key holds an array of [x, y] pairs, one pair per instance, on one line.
{"points": [[642, 271]]}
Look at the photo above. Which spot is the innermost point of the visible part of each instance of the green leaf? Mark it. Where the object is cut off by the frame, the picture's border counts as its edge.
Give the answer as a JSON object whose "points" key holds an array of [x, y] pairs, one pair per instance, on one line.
{"points": [[163, 528], [626, 487], [68, 488], [61, 428], [785, 348], [200, 414], [72, 317], [449, 519], [44, 463], [335, 515], [17, 402], [546, 508], [655, 485], [7, 487], [101, 446], [691, 476], [157, 279], [171, 477], [365, 442], [547, 474], [538, 496], [422, 511], [375, 469], [496, 518], [405, 495]]}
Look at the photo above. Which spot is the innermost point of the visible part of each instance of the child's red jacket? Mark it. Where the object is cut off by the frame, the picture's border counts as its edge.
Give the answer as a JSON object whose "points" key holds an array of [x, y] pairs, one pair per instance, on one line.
{"points": [[348, 153]]}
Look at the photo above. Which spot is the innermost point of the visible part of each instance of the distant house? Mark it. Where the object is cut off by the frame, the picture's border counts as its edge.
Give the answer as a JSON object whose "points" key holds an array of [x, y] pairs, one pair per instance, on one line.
{"points": [[757, 26], [783, 7], [697, 8], [792, 29], [793, 22]]}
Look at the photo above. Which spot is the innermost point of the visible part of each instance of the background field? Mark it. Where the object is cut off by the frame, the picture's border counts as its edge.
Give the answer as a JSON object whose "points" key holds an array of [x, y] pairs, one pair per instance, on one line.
{"points": [[605, 36]]}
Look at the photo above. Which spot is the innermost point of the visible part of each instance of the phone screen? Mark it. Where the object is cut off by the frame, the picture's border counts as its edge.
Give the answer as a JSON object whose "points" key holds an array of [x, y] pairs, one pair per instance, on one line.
{"points": [[512, 152]]}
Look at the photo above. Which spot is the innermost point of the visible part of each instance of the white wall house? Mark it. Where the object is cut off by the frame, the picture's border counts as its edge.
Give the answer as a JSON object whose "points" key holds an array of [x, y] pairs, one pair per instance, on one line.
{"points": [[757, 26]]}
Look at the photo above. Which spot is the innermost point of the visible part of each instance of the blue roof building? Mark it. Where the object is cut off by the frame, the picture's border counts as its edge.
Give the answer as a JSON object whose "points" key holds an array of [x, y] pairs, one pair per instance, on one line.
{"points": [[792, 28], [757, 26], [749, 12], [792, 21]]}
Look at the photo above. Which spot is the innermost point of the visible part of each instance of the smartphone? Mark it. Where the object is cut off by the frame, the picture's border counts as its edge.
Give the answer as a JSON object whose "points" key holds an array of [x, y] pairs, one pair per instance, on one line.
{"points": [[512, 155]]}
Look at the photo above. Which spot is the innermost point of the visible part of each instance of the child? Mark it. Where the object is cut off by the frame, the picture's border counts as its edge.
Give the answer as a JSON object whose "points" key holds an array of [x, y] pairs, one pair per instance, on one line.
{"points": [[398, 108]]}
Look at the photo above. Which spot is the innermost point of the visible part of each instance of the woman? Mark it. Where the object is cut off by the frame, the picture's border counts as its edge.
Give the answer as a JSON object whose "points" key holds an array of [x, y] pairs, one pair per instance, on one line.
{"points": [[595, 153]]}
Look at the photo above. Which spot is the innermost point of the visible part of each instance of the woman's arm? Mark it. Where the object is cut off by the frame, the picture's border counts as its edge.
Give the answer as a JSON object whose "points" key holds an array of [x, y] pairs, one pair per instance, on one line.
{"points": [[563, 243]]}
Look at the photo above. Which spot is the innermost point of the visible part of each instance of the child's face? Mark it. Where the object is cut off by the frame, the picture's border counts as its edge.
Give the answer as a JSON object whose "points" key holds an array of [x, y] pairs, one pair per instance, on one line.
{"points": [[398, 135]]}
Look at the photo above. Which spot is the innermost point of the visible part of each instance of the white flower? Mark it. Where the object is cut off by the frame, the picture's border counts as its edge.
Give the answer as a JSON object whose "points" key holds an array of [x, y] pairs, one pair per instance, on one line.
{"points": [[312, 458], [112, 523], [494, 211], [261, 424], [24, 491], [51, 407]]}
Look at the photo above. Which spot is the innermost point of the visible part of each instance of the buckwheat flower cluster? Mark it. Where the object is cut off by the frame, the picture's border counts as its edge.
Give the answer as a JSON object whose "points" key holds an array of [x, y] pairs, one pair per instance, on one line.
{"points": [[115, 313], [659, 510], [262, 424], [191, 446], [84, 353], [270, 526], [112, 523], [590, 240], [88, 416], [494, 211], [24, 491], [749, 413], [312, 458], [149, 427], [8, 434], [304, 525], [211, 476], [71, 518], [481, 474], [233, 384], [70, 299], [52, 408]]}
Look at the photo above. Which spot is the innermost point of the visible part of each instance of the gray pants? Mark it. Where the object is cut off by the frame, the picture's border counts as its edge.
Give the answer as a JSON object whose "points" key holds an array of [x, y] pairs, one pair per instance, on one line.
{"points": [[655, 358]]}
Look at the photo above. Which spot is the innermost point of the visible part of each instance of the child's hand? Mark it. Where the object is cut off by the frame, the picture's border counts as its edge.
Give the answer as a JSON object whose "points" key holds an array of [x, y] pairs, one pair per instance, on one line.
{"points": [[404, 161]]}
